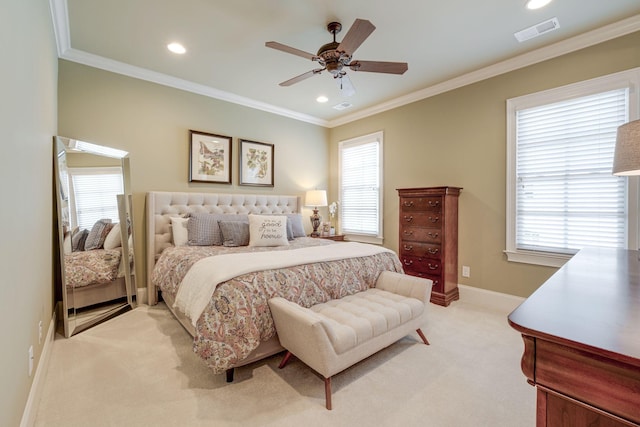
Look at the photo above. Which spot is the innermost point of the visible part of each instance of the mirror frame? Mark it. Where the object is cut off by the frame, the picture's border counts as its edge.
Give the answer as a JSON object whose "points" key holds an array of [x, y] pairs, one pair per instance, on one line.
{"points": [[67, 145]]}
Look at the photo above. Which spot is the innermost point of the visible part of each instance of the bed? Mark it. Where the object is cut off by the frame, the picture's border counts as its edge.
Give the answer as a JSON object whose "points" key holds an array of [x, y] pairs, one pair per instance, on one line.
{"points": [[234, 326]]}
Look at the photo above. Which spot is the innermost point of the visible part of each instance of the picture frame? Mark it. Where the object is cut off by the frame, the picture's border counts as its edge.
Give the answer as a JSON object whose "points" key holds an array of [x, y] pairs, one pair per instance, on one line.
{"points": [[256, 162], [209, 157]]}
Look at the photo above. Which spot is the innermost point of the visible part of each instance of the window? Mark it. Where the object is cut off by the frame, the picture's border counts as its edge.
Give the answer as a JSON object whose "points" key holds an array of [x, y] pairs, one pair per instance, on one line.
{"points": [[93, 195], [361, 188], [561, 195]]}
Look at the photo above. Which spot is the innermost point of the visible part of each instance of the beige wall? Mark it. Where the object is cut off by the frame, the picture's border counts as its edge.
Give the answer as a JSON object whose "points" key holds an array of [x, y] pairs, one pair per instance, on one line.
{"points": [[152, 123], [28, 122], [459, 139]]}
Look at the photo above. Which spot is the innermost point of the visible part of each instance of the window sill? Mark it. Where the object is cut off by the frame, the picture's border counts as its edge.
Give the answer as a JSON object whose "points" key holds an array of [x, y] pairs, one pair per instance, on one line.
{"points": [[538, 258]]}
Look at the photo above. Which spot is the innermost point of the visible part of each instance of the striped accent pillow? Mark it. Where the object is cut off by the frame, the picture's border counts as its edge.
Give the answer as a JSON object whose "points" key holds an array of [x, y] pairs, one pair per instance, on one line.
{"points": [[98, 234]]}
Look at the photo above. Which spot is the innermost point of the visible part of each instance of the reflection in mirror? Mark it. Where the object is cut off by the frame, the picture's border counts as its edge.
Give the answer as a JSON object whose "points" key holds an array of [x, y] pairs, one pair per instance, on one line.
{"points": [[95, 233]]}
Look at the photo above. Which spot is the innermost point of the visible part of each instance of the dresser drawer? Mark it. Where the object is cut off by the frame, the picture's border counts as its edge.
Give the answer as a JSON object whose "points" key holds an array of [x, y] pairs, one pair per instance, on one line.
{"points": [[413, 204], [422, 265], [436, 279], [415, 234], [420, 249], [421, 219]]}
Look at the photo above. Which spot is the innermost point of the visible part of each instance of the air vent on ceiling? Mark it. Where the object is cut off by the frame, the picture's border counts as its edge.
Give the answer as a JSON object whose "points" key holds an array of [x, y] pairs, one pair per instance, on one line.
{"points": [[537, 30], [342, 106]]}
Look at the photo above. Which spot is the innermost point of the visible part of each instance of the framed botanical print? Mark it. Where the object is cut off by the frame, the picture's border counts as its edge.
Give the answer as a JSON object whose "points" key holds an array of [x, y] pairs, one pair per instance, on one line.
{"points": [[256, 163], [209, 157]]}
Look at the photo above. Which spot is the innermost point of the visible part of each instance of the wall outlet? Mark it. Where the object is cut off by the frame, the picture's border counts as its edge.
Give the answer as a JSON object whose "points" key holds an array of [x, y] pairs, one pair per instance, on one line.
{"points": [[40, 332], [30, 360], [466, 271]]}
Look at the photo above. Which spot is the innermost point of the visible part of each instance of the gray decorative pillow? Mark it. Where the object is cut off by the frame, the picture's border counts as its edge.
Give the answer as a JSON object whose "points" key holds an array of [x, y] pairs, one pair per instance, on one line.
{"points": [[296, 224], [234, 233], [78, 240], [289, 229], [98, 233], [203, 228]]}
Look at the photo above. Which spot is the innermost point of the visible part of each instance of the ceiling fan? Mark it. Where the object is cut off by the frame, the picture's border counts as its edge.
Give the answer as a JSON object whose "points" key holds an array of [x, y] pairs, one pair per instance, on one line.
{"points": [[336, 57]]}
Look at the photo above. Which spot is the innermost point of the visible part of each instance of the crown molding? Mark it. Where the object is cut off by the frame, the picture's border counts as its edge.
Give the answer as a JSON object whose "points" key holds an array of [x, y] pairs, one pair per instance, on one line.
{"points": [[60, 19], [600, 35]]}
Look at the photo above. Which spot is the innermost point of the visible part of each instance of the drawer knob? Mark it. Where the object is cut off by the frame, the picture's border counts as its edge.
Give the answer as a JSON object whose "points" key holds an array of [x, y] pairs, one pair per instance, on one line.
{"points": [[432, 251], [407, 232], [408, 204], [432, 266], [432, 235], [434, 203], [408, 247], [407, 261], [408, 218], [434, 218]]}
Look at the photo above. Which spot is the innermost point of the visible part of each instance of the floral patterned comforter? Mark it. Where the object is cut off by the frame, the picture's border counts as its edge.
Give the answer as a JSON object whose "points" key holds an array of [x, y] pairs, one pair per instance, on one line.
{"points": [[86, 268], [238, 318]]}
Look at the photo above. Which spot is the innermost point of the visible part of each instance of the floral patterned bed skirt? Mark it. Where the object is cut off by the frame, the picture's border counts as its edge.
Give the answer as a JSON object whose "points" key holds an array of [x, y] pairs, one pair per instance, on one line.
{"points": [[238, 319]]}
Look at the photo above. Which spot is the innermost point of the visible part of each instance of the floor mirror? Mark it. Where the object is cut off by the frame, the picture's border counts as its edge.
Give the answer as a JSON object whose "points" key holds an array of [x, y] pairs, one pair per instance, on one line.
{"points": [[94, 233]]}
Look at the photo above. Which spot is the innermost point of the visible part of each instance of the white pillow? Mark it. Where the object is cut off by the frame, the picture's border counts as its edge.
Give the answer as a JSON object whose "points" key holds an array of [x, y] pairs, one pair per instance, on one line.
{"points": [[179, 230], [268, 230], [113, 239]]}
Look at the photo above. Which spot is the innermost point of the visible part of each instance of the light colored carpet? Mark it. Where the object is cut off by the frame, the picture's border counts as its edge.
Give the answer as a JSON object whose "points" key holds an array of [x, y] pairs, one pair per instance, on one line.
{"points": [[138, 369]]}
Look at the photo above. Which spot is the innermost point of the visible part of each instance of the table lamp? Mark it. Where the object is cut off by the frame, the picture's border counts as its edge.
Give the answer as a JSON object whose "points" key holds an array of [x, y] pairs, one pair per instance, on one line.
{"points": [[626, 159], [316, 198]]}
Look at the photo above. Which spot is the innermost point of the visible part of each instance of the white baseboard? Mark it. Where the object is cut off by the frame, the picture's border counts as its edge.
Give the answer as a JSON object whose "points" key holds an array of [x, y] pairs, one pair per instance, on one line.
{"points": [[142, 296], [489, 299], [33, 400]]}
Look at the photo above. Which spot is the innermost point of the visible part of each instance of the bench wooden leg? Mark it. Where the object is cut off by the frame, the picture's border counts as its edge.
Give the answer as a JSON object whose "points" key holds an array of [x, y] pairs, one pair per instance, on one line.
{"points": [[285, 359], [424, 339], [327, 392], [230, 372]]}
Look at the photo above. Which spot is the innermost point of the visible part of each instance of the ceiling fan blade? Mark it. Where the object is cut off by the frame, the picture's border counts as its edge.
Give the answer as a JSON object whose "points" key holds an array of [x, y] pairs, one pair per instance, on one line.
{"points": [[379, 67], [345, 86], [358, 33], [301, 77], [291, 50]]}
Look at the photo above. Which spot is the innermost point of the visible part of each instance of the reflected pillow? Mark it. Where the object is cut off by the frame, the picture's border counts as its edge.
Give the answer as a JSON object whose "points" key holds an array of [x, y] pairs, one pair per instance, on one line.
{"points": [[179, 230], [78, 240], [98, 233], [268, 230], [234, 233], [113, 239]]}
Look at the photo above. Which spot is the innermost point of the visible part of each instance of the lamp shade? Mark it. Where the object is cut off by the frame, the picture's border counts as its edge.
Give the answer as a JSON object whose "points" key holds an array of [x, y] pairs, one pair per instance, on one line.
{"points": [[316, 198], [626, 160]]}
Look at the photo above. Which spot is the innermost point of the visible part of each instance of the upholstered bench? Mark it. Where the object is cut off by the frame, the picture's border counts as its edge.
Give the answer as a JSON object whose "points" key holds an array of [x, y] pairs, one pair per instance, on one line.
{"points": [[334, 335]]}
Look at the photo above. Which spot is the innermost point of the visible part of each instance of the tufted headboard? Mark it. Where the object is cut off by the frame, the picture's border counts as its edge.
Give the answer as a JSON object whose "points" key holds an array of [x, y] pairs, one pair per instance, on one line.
{"points": [[161, 205]]}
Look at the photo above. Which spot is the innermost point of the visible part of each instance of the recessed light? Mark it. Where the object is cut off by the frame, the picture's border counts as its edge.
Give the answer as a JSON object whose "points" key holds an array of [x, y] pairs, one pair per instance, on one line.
{"points": [[537, 4], [176, 48], [322, 99]]}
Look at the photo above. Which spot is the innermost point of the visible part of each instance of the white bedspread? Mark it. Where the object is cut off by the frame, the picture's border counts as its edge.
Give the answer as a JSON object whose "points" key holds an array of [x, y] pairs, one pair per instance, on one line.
{"points": [[198, 285]]}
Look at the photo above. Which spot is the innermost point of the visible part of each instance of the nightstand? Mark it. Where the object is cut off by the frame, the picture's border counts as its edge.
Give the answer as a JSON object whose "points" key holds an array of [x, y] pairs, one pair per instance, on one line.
{"points": [[336, 237]]}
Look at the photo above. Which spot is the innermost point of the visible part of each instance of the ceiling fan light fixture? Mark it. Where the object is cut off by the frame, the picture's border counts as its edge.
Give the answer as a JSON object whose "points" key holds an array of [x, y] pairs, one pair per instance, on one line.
{"points": [[176, 48], [536, 4]]}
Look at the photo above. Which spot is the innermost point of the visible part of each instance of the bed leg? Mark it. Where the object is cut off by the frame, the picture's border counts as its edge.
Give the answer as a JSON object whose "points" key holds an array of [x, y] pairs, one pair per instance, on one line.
{"points": [[229, 373]]}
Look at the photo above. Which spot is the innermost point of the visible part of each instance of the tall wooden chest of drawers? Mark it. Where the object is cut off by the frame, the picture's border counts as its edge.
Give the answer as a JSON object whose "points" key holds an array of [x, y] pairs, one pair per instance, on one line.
{"points": [[428, 242]]}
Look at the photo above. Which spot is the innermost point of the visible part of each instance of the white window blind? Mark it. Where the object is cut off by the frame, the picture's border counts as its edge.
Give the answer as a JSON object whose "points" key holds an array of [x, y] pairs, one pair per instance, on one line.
{"points": [[566, 196], [360, 192], [93, 192]]}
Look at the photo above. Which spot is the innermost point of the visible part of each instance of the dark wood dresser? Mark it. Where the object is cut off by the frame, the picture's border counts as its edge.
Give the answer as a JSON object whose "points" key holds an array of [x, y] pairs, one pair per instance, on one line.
{"points": [[428, 242], [581, 332]]}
